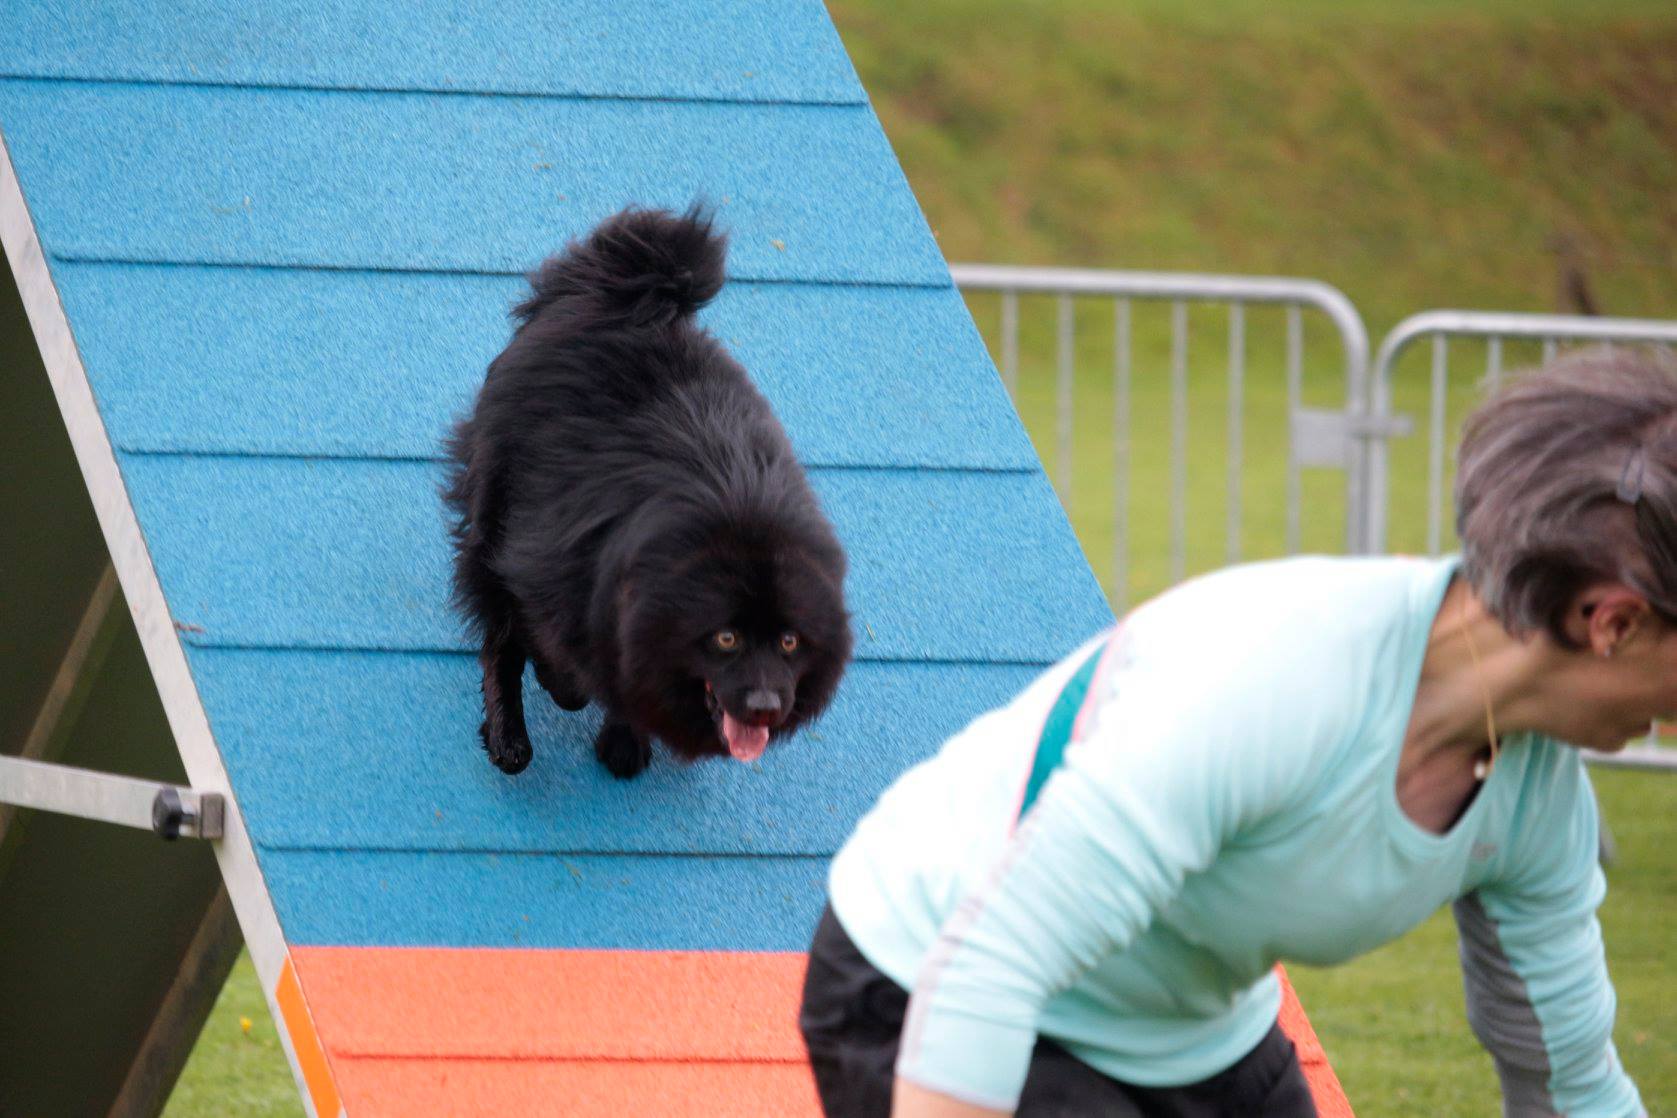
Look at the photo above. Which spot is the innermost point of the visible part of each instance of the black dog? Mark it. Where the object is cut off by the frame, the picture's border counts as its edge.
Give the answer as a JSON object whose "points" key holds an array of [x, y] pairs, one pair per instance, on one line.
{"points": [[631, 518]]}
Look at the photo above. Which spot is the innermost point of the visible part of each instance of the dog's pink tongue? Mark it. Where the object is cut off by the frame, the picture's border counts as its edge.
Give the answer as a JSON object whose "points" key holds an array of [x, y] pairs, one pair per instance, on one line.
{"points": [[746, 743]]}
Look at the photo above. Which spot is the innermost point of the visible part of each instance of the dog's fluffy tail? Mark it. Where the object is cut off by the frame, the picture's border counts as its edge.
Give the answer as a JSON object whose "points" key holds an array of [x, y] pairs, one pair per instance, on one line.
{"points": [[652, 266]]}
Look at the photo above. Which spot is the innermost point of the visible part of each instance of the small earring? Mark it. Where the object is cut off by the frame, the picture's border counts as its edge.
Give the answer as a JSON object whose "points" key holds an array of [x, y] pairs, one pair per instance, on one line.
{"points": [[1607, 653]]}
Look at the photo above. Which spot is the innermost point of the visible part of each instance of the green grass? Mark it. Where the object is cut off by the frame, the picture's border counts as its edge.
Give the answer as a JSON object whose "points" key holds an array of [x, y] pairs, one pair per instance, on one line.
{"points": [[1416, 154], [234, 1070]]}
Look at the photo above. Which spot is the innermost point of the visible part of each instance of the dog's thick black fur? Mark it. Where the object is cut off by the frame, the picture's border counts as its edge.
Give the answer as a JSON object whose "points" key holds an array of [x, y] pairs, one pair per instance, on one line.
{"points": [[630, 517]]}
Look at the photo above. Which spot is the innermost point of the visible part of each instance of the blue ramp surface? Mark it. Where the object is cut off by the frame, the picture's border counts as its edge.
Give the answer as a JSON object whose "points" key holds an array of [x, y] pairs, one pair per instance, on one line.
{"points": [[285, 266]]}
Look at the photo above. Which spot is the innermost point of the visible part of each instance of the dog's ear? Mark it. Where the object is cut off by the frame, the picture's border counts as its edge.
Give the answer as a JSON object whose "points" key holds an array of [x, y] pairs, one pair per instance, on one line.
{"points": [[608, 624], [626, 617], [606, 601], [813, 589]]}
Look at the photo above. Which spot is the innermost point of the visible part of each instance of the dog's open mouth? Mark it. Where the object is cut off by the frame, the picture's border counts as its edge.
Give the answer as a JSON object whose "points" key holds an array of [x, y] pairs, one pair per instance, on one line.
{"points": [[745, 742]]}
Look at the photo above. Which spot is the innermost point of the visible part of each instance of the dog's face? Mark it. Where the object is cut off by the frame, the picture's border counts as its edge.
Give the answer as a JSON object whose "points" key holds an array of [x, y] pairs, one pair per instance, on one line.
{"points": [[733, 649]]}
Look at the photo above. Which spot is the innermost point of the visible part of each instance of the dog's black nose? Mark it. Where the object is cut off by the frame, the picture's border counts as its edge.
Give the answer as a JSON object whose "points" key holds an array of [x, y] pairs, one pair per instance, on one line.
{"points": [[762, 707]]}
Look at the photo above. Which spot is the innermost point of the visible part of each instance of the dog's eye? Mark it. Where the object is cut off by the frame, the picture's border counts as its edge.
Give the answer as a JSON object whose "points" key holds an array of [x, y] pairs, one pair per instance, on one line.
{"points": [[726, 641], [788, 643]]}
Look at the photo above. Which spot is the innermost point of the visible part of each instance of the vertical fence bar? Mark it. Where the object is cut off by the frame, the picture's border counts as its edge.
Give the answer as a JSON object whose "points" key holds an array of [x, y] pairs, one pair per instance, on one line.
{"points": [[1295, 361], [1435, 445], [1493, 362], [1237, 411], [1548, 350], [1010, 342], [1063, 391], [1178, 440], [1120, 454]]}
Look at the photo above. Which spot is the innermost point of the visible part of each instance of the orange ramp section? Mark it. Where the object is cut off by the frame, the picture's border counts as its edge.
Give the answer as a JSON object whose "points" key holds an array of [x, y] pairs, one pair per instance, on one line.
{"points": [[490, 1031], [485, 1031], [1324, 1084], [511, 1089], [524, 1004]]}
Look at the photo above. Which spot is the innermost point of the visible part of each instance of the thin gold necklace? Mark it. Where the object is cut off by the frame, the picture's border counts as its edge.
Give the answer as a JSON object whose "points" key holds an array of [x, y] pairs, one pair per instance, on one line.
{"points": [[1481, 766]]}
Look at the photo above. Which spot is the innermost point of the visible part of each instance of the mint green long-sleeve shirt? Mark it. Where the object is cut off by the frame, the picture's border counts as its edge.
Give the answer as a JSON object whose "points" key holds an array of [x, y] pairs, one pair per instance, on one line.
{"points": [[1121, 869]]}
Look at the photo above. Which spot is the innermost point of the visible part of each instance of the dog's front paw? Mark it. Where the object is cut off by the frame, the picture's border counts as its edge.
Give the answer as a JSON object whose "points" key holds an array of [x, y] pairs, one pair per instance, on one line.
{"points": [[508, 752], [623, 752]]}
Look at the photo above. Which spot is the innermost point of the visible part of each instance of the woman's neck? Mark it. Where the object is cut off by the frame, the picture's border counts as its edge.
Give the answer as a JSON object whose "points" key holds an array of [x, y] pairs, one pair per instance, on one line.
{"points": [[1472, 666]]}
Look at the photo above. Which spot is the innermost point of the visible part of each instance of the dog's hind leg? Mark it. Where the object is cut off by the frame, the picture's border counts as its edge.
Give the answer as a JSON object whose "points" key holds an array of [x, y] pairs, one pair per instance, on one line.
{"points": [[560, 684], [624, 751], [505, 737]]}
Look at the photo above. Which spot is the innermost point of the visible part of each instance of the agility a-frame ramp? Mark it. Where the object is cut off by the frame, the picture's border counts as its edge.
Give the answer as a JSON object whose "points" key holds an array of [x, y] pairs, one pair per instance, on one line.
{"points": [[266, 252]]}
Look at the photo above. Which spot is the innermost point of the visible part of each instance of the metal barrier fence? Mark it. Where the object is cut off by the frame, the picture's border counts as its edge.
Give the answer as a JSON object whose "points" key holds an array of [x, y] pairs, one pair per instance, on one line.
{"points": [[1316, 437], [1500, 334], [1358, 439], [1547, 331]]}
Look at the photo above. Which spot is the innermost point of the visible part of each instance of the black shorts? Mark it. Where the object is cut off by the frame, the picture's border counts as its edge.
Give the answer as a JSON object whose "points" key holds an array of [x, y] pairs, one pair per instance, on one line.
{"points": [[852, 1020]]}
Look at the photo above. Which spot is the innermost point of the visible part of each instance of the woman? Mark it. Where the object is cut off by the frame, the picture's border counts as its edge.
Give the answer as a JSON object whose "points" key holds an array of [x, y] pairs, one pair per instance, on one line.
{"points": [[1087, 890]]}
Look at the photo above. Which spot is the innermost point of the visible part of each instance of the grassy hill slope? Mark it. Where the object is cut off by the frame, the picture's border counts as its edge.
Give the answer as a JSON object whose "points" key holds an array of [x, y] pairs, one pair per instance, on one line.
{"points": [[1412, 153]]}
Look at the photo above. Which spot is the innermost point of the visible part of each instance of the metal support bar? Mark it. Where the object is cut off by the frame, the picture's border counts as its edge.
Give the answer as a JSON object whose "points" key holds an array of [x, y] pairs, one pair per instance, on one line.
{"points": [[166, 809], [1330, 438], [1295, 394], [1648, 757], [180, 1018], [72, 683], [1121, 359]]}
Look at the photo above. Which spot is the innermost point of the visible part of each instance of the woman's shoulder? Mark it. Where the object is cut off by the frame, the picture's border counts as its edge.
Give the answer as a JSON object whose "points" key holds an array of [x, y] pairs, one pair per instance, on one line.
{"points": [[1368, 584], [1549, 820], [1307, 629], [1287, 668]]}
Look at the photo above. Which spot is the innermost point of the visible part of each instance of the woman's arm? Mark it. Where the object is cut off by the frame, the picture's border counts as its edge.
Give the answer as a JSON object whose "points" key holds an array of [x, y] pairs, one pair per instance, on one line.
{"points": [[1533, 968], [911, 1101], [1150, 796]]}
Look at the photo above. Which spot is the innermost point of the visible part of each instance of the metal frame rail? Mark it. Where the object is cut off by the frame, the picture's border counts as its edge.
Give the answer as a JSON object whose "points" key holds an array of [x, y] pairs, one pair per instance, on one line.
{"points": [[1494, 328], [165, 809], [1318, 438]]}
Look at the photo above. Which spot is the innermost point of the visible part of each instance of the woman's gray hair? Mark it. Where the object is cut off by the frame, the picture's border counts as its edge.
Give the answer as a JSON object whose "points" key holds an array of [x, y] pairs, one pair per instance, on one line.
{"points": [[1567, 477]]}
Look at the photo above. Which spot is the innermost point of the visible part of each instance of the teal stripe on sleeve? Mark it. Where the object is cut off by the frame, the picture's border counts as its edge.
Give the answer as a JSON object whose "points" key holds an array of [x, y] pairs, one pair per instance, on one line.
{"points": [[1056, 730]]}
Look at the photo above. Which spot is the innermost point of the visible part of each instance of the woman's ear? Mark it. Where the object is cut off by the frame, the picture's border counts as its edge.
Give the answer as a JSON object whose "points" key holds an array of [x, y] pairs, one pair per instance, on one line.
{"points": [[1608, 616]]}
